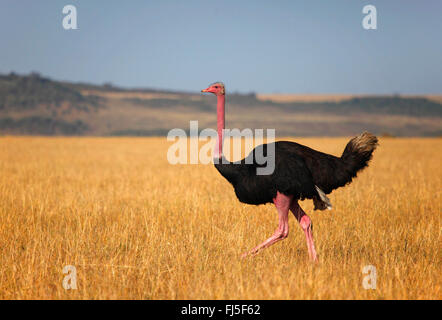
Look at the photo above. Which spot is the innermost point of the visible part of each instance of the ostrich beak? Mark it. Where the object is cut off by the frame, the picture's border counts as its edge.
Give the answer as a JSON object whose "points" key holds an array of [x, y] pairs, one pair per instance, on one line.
{"points": [[205, 90]]}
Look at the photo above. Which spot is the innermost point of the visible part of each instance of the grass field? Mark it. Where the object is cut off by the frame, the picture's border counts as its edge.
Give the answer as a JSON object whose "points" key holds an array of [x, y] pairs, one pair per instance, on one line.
{"points": [[284, 98], [136, 227]]}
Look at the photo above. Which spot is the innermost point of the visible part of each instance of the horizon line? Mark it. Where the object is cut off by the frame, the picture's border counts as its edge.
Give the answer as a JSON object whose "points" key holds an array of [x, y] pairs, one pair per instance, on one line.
{"points": [[111, 85]]}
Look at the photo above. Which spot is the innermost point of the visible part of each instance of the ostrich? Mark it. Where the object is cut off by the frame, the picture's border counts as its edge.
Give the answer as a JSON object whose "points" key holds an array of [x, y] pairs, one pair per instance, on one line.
{"points": [[300, 173]]}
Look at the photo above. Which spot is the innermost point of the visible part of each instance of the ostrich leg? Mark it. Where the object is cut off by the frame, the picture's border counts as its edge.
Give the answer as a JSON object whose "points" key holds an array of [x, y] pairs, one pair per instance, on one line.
{"points": [[282, 204], [306, 225]]}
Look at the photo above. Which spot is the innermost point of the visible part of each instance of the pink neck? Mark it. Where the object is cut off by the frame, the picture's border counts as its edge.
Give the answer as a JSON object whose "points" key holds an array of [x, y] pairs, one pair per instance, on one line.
{"points": [[220, 113]]}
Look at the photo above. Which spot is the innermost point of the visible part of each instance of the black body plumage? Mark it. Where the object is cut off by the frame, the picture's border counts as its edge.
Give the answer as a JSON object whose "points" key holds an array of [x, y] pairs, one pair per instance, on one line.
{"points": [[298, 170]]}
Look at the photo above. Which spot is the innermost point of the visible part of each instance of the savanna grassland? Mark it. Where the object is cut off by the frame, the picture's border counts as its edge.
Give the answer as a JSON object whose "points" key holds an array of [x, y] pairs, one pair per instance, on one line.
{"points": [[136, 227]]}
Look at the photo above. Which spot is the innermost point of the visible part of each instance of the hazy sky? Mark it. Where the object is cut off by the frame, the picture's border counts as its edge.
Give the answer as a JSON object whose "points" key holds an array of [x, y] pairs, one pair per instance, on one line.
{"points": [[261, 46]]}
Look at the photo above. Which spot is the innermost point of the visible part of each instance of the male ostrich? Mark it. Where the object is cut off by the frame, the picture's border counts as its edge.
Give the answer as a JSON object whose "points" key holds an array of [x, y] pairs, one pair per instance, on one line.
{"points": [[300, 173]]}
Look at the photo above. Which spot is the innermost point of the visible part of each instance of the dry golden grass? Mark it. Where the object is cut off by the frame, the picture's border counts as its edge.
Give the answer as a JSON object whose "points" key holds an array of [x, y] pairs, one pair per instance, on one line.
{"points": [[275, 97], [136, 227], [290, 97]]}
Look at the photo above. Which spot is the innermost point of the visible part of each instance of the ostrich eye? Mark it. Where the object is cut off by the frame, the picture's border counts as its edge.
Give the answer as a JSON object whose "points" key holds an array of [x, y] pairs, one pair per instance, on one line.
{"points": [[216, 87]]}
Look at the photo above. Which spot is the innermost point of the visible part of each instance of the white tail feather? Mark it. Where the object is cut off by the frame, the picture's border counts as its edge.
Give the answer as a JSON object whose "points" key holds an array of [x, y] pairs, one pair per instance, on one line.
{"points": [[323, 202]]}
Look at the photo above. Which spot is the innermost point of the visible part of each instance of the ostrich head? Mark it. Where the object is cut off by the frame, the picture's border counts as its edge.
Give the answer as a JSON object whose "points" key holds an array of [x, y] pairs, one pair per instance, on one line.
{"points": [[216, 88]]}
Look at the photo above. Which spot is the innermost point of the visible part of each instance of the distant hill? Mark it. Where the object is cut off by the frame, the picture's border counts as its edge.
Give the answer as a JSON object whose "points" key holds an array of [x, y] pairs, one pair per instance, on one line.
{"points": [[29, 92], [35, 105]]}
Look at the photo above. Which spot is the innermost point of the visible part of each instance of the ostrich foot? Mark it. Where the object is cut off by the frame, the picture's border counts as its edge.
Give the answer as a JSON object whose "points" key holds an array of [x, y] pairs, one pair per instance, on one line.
{"points": [[280, 234], [307, 226], [282, 204]]}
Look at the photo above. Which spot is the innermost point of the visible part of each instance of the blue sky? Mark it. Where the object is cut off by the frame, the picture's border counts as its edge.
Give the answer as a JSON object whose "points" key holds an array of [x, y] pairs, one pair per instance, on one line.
{"points": [[260, 46]]}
